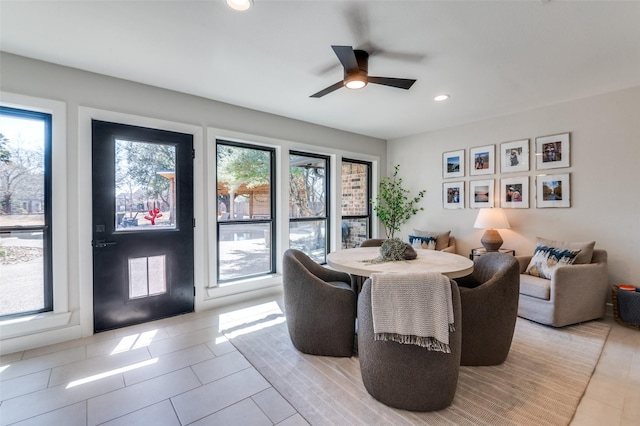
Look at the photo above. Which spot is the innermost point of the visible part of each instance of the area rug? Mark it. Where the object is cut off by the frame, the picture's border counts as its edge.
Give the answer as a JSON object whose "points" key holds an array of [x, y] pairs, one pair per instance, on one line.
{"points": [[540, 383]]}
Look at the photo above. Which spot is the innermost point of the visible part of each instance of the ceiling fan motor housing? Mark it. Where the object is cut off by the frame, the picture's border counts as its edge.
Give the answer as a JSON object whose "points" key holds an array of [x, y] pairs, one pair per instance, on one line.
{"points": [[361, 73]]}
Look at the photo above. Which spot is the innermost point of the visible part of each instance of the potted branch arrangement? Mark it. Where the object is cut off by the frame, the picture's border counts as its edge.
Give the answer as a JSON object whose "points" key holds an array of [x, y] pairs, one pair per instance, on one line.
{"points": [[394, 207]]}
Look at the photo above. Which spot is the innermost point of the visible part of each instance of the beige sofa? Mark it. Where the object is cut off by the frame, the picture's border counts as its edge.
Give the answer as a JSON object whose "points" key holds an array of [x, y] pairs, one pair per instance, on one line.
{"points": [[444, 240], [451, 248], [575, 293], [377, 242]]}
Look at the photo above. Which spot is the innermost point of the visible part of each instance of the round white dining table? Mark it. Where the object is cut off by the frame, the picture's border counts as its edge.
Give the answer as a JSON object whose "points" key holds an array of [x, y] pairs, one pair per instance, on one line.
{"points": [[353, 261]]}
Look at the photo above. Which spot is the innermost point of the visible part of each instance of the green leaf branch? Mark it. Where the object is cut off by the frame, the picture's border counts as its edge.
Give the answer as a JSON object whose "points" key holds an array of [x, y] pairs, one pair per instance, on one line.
{"points": [[393, 205]]}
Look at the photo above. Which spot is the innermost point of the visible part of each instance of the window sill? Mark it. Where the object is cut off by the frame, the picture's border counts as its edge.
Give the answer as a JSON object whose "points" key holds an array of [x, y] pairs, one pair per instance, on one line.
{"points": [[243, 286], [30, 324]]}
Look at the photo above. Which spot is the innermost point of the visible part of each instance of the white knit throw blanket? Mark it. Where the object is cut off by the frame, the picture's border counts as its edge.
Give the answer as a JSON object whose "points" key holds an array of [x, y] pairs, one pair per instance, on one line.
{"points": [[412, 308]]}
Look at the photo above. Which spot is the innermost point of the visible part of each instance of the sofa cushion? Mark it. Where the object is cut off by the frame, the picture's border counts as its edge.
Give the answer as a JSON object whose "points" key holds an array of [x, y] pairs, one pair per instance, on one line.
{"points": [[539, 288], [442, 238], [546, 259], [586, 248], [423, 242]]}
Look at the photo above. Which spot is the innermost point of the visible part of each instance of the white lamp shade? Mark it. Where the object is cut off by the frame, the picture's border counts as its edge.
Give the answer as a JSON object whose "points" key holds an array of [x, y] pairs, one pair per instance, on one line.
{"points": [[491, 219]]}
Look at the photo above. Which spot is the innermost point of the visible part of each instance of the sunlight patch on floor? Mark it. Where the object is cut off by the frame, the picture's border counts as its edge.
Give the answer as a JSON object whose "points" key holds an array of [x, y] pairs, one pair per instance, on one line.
{"points": [[111, 373], [134, 341], [255, 327], [253, 318]]}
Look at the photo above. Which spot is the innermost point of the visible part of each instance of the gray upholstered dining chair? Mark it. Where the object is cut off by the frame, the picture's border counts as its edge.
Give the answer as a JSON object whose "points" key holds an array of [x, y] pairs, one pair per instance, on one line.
{"points": [[489, 299], [320, 306], [407, 376], [372, 242], [357, 280]]}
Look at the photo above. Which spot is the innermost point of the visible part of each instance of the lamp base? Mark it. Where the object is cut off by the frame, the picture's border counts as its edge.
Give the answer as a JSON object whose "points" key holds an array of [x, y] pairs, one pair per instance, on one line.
{"points": [[491, 240]]}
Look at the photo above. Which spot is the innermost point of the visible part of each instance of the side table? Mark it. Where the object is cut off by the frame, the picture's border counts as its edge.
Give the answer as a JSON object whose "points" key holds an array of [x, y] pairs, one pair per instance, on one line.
{"points": [[626, 311], [481, 250]]}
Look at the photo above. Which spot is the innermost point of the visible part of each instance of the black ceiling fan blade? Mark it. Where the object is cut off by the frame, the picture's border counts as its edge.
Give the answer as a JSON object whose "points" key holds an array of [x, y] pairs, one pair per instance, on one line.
{"points": [[327, 69], [400, 56], [328, 90], [347, 57], [357, 17], [400, 83]]}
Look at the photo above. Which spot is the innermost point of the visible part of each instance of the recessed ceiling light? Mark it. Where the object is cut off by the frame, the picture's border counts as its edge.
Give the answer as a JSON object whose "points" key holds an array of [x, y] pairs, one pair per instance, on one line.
{"points": [[240, 5], [441, 98]]}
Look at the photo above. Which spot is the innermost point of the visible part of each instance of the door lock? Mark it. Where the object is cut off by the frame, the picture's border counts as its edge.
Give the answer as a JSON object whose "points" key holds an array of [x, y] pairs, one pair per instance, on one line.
{"points": [[102, 243]]}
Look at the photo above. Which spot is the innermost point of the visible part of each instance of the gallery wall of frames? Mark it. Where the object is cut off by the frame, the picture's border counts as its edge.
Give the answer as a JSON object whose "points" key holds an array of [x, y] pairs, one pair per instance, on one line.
{"points": [[505, 174]]}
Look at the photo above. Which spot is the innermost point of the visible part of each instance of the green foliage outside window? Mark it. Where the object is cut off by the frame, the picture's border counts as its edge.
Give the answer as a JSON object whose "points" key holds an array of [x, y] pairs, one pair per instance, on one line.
{"points": [[237, 166]]}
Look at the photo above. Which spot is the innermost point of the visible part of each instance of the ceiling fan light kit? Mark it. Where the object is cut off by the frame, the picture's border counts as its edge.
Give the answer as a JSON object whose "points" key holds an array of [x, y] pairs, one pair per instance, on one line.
{"points": [[240, 5], [355, 83], [356, 72]]}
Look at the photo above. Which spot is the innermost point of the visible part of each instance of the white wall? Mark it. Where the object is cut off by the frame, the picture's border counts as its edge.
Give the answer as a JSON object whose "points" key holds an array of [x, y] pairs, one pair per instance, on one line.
{"points": [[605, 172], [88, 95]]}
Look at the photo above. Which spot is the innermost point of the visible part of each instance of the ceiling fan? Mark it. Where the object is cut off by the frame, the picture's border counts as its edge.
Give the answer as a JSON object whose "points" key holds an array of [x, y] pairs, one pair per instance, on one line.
{"points": [[356, 72]]}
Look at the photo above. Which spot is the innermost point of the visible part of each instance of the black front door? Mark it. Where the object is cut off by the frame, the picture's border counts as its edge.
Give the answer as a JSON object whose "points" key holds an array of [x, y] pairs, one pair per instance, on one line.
{"points": [[142, 224]]}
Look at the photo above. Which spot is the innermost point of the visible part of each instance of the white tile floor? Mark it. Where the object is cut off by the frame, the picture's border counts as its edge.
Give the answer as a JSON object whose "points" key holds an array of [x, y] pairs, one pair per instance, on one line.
{"points": [[177, 371], [182, 371]]}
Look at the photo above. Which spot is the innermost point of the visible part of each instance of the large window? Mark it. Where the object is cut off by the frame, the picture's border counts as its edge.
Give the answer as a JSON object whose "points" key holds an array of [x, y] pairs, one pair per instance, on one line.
{"points": [[25, 212], [356, 205], [246, 211], [308, 204]]}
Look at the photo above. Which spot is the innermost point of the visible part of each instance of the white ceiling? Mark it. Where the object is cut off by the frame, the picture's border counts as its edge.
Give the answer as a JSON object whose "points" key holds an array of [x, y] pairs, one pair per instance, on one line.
{"points": [[493, 57]]}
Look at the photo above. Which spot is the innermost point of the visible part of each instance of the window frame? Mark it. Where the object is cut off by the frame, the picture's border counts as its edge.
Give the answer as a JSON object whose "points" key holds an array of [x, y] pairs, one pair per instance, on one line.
{"points": [[46, 228], [216, 295], [327, 199], [15, 332], [271, 221], [370, 195]]}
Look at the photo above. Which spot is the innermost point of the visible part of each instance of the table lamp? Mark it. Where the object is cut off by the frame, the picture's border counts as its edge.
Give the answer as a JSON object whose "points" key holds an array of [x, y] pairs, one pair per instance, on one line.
{"points": [[491, 219]]}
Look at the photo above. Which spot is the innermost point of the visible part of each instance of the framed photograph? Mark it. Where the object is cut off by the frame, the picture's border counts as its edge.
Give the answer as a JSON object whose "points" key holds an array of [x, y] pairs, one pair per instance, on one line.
{"points": [[553, 191], [482, 160], [514, 193], [453, 164], [514, 156], [481, 193], [453, 195], [552, 152]]}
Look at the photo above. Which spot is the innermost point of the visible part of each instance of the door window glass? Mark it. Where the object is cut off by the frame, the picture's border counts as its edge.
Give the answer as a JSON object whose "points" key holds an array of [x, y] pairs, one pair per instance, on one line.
{"points": [[145, 186]]}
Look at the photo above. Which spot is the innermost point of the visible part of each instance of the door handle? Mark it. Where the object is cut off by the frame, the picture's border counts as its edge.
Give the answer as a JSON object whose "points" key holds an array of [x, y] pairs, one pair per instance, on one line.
{"points": [[102, 243]]}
